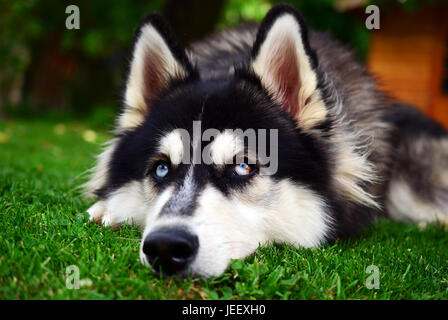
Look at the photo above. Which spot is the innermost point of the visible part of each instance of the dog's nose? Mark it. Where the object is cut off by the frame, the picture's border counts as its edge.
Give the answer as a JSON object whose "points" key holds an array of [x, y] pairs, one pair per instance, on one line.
{"points": [[170, 250]]}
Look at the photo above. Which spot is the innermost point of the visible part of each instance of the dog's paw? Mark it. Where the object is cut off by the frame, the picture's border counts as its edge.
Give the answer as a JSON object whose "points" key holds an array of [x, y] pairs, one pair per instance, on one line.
{"points": [[97, 212], [110, 220]]}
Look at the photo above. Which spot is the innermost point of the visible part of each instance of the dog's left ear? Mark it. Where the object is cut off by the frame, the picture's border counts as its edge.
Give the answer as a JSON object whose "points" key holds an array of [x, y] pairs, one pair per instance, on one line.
{"points": [[157, 59], [284, 61]]}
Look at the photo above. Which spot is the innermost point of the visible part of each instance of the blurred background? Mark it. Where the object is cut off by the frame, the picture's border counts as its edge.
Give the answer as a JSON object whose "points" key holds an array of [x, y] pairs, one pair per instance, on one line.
{"points": [[48, 70]]}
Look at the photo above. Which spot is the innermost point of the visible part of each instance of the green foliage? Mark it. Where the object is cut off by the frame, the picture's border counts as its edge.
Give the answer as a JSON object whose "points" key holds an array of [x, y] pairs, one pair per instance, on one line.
{"points": [[32, 30], [237, 11], [320, 15], [105, 25], [43, 230]]}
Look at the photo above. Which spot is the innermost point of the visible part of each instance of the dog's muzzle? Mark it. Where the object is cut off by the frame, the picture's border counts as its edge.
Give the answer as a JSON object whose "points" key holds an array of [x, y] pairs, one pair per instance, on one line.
{"points": [[171, 250]]}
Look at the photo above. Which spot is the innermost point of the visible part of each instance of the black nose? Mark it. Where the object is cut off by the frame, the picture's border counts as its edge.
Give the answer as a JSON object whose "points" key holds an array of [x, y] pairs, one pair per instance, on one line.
{"points": [[171, 250]]}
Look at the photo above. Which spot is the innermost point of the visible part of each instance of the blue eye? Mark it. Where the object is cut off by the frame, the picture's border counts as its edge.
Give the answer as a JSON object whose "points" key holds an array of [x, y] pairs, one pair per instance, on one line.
{"points": [[162, 170], [243, 169]]}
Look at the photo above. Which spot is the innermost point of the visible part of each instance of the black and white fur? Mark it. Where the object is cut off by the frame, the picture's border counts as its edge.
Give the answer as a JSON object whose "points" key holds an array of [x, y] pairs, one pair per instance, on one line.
{"points": [[346, 155]]}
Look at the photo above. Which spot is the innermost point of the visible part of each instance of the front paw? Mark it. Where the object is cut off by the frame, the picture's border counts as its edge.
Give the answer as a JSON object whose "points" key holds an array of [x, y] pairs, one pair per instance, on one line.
{"points": [[97, 212]]}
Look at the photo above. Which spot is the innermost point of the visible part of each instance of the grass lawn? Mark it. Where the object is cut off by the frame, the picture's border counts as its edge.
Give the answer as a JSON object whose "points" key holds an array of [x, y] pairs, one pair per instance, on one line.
{"points": [[43, 230]]}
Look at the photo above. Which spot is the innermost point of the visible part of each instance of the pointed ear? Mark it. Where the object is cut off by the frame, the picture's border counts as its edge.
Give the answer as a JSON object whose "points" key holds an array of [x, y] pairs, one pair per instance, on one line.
{"points": [[157, 59], [286, 64]]}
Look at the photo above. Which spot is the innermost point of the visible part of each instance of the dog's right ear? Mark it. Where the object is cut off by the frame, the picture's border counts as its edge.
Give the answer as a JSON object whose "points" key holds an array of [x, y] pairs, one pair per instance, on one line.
{"points": [[157, 59], [286, 64]]}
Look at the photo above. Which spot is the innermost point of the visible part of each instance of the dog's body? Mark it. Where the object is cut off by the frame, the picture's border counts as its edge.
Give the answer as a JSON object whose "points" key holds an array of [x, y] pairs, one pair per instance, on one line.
{"points": [[345, 154]]}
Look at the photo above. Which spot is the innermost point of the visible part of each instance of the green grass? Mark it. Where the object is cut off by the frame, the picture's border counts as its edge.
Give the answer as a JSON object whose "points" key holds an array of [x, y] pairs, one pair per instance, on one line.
{"points": [[43, 230]]}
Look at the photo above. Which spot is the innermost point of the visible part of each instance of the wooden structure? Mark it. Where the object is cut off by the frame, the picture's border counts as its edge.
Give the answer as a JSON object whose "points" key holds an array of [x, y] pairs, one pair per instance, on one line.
{"points": [[409, 55]]}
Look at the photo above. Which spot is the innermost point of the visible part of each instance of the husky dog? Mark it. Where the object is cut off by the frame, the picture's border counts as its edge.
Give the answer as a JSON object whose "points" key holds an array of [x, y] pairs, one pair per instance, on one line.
{"points": [[346, 154]]}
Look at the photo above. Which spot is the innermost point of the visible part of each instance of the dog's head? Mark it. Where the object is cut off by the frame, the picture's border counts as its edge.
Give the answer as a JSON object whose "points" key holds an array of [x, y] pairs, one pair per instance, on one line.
{"points": [[213, 168]]}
